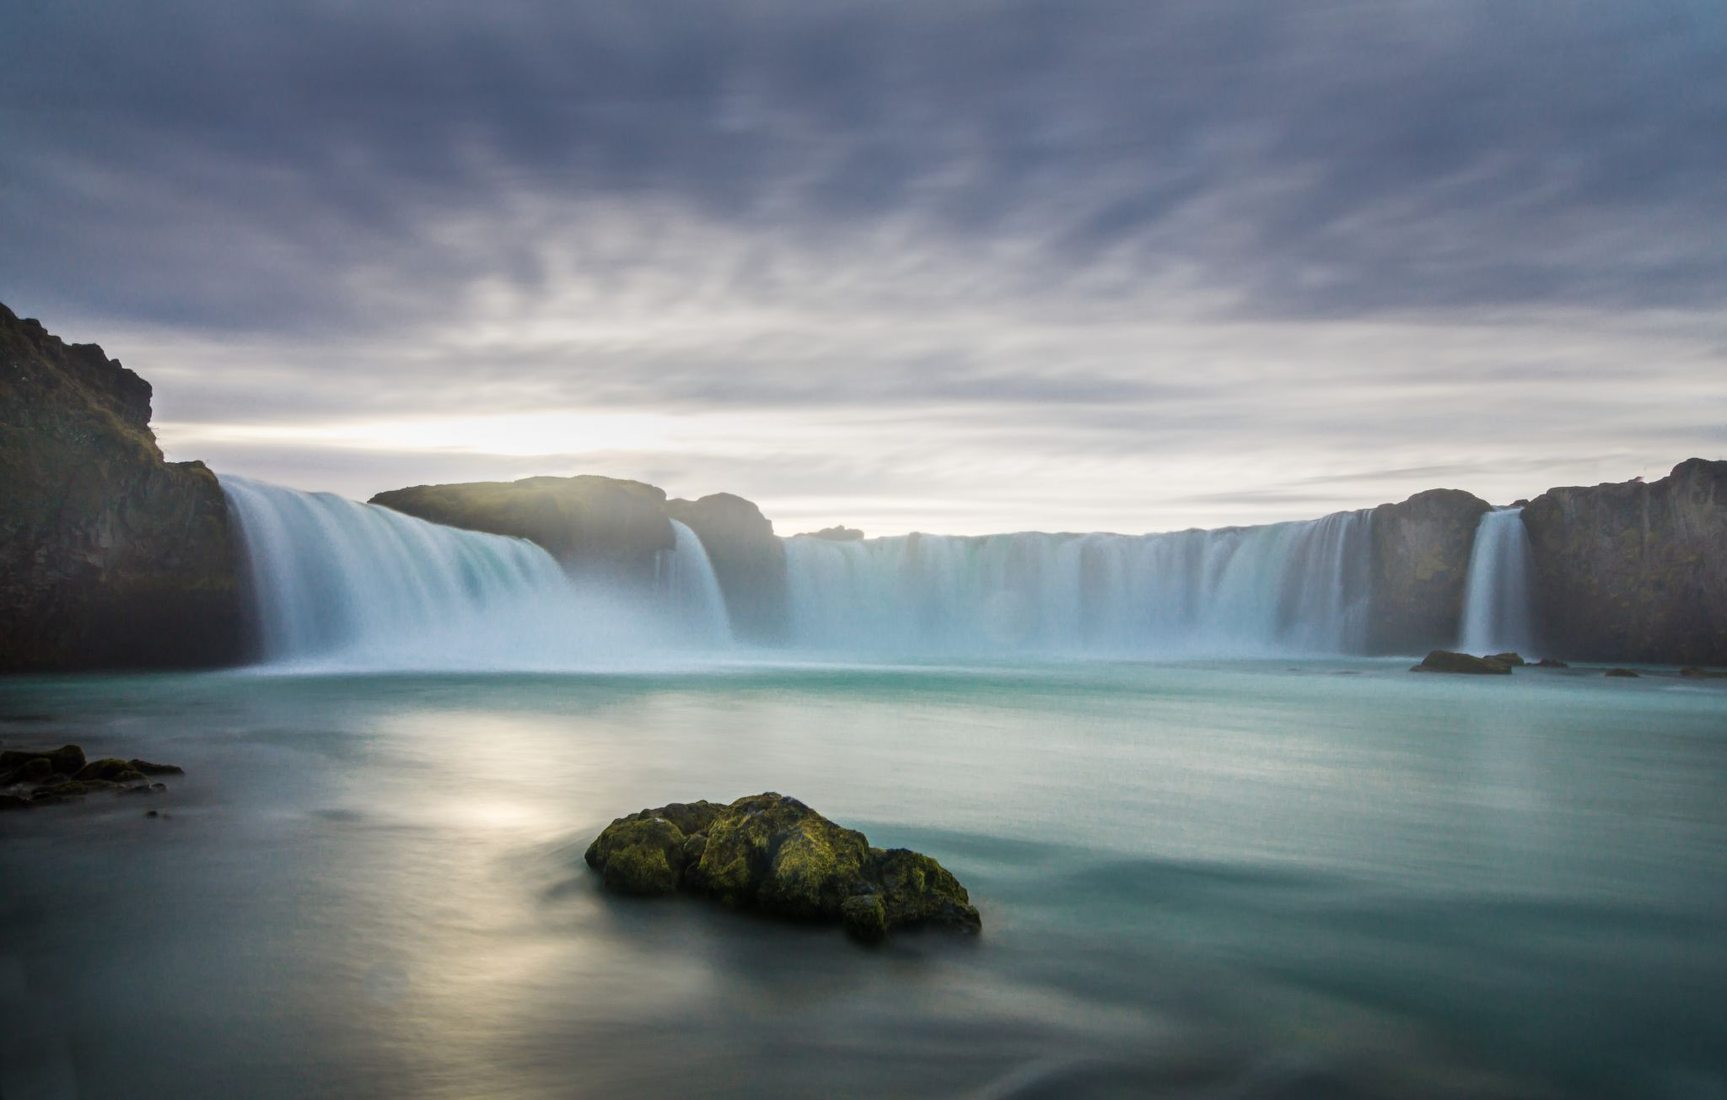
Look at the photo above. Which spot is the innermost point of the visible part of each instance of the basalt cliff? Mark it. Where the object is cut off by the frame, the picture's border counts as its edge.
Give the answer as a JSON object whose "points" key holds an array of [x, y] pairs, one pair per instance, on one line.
{"points": [[110, 557], [1632, 571]]}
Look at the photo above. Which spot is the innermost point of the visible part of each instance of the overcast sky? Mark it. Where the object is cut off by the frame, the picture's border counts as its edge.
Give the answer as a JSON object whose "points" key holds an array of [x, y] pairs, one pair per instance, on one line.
{"points": [[940, 265]]}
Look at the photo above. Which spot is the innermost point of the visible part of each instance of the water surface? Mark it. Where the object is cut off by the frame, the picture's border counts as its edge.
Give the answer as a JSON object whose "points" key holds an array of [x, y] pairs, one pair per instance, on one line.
{"points": [[1213, 880]]}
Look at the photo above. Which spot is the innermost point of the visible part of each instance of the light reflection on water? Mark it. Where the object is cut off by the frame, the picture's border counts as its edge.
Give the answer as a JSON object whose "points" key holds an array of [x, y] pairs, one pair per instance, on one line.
{"points": [[1196, 880]]}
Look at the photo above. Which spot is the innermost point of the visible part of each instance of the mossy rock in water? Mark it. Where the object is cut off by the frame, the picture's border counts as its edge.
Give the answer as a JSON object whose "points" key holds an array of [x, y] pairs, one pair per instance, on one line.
{"points": [[773, 854], [1444, 660], [1623, 673], [645, 852], [111, 770], [65, 760], [147, 768], [44, 778], [918, 890]]}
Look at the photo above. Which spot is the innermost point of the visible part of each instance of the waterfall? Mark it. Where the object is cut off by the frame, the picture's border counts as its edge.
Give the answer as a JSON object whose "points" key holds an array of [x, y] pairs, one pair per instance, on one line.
{"points": [[693, 590], [344, 585], [1290, 587], [1497, 608], [338, 584]]}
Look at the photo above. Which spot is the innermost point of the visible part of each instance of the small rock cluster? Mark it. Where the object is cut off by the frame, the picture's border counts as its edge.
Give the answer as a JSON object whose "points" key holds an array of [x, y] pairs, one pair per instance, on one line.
{"points": [[1445, 660], [1501, 664], [773, 854], [30, 778]]}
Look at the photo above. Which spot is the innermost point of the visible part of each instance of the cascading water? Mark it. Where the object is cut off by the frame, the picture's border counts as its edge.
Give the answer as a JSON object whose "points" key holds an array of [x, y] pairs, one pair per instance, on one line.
{"points": [[687, 578], [347, 585], [1497, 607], [1281, 588]]}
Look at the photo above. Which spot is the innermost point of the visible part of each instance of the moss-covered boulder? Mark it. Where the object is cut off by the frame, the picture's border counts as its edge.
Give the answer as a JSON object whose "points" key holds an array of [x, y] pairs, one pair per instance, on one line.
{"points": [[110, 557], [646, 852], [1445, 660], [773, 854]]}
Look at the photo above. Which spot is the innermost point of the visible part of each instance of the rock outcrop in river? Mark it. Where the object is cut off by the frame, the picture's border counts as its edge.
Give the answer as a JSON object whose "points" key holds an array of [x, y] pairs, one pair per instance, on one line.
{"points": [[109, 556], [773, 854], [1633, 571]]}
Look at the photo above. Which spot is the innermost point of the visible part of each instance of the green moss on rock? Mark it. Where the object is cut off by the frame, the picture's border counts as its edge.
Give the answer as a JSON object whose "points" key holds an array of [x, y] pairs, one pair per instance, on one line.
{"points": [[644, 853], [774, 854]]}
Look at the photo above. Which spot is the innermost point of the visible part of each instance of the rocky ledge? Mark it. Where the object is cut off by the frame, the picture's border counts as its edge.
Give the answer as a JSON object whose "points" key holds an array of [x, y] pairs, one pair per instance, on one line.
{"points": [[773, 854], [37, 778]]}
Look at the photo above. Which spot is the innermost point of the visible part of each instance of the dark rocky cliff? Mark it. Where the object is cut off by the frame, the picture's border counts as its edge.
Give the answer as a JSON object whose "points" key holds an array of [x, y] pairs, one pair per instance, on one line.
{"points": [[748, 559], [593, 525], [1420, 570], [109, 556], [1634, 571]]}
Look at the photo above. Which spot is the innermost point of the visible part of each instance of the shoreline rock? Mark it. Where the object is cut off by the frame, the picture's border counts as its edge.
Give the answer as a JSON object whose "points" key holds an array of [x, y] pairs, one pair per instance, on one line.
{"points": [[772, 854], [30, 778]]}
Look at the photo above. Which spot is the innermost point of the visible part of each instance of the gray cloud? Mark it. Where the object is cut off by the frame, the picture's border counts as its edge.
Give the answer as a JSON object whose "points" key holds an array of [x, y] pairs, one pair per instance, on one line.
{"points": [[240, 167]]}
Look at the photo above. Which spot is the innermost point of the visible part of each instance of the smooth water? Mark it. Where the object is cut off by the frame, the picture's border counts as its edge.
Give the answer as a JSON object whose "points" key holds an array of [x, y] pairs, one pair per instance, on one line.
{"points": [[1226, 880], [1498, 604], [1289, 587]]}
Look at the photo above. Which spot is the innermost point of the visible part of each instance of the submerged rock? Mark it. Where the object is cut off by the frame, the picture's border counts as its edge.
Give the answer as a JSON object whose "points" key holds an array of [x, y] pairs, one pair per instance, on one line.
{"points": [[1623, 673], [1551, 662], [1445, 660], [773, 854]]}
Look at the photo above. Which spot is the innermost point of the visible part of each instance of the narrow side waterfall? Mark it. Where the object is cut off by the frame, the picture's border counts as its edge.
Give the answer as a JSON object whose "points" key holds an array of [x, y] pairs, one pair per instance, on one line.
{"points": [[687, 579], [342, 585], [1290, 587], [1497, 606]]}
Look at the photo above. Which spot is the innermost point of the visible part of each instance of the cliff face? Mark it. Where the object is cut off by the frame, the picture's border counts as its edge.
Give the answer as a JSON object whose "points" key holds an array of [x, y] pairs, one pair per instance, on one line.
{"points": [[109, 556], [593, 525], [1421, 569], [1635, 572], [748, 559]]}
